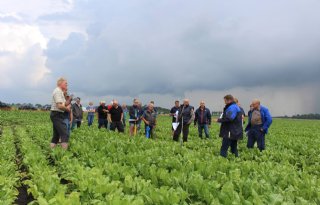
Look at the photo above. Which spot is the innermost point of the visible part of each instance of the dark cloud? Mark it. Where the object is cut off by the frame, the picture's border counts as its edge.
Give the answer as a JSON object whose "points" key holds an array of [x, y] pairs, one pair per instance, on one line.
{"points": [[169, 48], [174, 48]]}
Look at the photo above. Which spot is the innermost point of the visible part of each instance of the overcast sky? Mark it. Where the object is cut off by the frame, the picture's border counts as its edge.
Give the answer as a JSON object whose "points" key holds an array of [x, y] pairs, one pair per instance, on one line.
{"points": [[163, 50]]}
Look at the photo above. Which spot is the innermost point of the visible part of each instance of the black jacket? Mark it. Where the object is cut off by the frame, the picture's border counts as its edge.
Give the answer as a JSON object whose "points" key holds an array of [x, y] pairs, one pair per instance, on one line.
{"points": [[231, 122], [77, 111], [187, 114]]}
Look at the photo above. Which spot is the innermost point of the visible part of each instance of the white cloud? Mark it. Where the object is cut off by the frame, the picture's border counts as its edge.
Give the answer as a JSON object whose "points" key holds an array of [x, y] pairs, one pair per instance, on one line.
{"points": [[22, 62]]}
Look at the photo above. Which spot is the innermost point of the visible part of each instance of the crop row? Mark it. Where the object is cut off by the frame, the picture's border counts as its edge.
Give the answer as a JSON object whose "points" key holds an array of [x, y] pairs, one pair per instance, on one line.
{"points": [[195, 174], [9, 175]]}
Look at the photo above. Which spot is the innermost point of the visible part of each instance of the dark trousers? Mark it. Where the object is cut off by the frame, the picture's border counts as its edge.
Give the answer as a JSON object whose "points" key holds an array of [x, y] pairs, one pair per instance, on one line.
{"points": [[117, 125], [226, 143], [102, 122], [185, 132], [59, 127], [76, 123], [204, 127], [256, 135], [124, 122]]}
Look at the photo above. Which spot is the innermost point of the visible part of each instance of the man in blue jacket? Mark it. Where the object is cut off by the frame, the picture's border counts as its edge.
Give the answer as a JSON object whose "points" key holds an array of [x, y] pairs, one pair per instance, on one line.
{"points": [[231, 126], [258, 125], [203, 118]]}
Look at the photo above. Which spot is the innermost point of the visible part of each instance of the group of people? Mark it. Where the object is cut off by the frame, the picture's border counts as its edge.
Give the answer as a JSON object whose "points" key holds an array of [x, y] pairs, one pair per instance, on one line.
{"points": [[65, 116]]}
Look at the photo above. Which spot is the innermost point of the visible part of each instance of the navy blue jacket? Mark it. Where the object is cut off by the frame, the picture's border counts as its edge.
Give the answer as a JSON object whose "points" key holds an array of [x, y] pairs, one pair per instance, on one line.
{"points": [[186, 113], [265, 117], [231, 122], [202, 117]]}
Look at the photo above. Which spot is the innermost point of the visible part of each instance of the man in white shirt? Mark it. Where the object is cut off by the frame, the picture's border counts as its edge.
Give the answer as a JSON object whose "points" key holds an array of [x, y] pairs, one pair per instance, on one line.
{"points": [[59, 105]]}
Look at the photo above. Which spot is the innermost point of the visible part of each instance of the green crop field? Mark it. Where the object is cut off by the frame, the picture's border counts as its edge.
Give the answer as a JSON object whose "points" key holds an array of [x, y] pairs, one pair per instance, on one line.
{"points": [[109, 168]]}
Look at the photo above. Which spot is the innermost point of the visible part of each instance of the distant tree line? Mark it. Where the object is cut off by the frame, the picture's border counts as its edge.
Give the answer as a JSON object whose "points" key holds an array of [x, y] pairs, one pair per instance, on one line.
{"points": [[310, 116]]}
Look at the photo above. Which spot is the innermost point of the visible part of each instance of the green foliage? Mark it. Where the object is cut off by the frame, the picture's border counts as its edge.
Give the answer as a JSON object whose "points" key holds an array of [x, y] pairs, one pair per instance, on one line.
{"points": [[109, 168]]}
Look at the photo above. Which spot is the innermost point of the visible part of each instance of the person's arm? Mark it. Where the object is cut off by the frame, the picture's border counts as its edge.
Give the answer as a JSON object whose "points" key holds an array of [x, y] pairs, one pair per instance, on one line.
{"points": [[209, 117], [144, 119], [62, 106], [192, 117], [267, 120], [121, 120], [109, 118], [155, 123], [60, 102], [196, 118], [71, 117], [231, 114]]}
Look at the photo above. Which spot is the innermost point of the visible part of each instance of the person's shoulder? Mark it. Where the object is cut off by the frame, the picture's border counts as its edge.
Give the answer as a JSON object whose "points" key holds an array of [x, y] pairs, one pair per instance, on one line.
{"points": [[57, 90], [263, 108]]}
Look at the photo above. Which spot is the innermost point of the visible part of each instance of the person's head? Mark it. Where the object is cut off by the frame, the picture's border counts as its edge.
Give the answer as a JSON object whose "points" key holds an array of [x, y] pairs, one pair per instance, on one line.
{"points": [[136, 102], [90, 103], [228, 99], [152, 102], [78, 100], [115, 103], [255, 104], [202, 104], [236, 101], [150, 106], [103, 103], [177, 103], [186, 102], [251, 106], [124, 105], [62, 83]]}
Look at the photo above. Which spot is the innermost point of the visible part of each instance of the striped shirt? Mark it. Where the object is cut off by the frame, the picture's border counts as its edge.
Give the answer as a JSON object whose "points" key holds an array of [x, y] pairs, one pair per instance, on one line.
{"points": [[57, 97]]}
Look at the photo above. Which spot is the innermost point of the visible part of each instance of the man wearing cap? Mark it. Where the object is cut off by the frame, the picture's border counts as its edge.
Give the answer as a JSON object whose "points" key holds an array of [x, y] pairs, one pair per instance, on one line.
{"points": [[77, 114], [102, 115]]}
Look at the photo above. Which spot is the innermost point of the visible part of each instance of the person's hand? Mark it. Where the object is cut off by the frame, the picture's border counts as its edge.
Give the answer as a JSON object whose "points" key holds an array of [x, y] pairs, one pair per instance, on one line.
{"points": [[262, 130], [147, 123], [215, 120]]}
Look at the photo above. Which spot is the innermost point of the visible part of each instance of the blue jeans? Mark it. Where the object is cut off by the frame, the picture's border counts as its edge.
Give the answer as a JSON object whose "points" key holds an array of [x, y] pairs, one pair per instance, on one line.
{"points": [[205, 128], [67, 121], [226, 143], [256, 135], [90, 120]]}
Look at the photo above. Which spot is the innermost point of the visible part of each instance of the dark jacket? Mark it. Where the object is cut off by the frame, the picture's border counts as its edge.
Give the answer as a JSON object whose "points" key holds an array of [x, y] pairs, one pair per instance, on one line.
{"points": [[77, 111], [202, 117], [187, 114], [101, 114], [231, 122], [134, 113], [265, 117]]}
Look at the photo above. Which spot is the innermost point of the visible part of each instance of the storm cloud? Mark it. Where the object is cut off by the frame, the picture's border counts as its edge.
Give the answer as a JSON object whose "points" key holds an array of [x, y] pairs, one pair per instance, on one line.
{"points": [[173, 49]]}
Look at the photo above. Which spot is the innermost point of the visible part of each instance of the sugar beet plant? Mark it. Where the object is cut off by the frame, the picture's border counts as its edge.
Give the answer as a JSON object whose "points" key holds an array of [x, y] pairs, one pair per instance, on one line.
{"points": [[109, 168]]}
